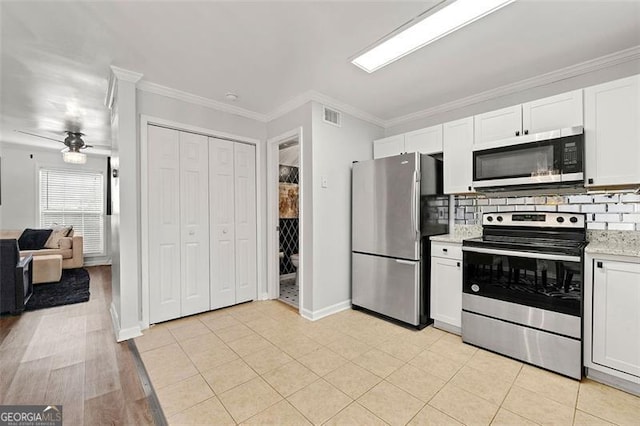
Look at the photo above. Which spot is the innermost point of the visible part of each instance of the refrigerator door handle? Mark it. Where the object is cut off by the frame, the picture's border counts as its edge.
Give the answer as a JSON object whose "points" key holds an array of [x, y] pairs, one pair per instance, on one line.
{"points": [[414, 215], [406, 262]]}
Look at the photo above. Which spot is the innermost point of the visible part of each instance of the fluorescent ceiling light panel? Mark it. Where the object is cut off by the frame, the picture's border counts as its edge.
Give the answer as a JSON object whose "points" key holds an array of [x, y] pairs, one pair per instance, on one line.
{"points": [[435, 26]]}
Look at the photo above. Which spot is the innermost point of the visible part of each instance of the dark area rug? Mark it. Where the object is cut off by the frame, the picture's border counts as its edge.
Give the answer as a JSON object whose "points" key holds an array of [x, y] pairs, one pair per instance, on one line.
{"points": [[72, 288]]}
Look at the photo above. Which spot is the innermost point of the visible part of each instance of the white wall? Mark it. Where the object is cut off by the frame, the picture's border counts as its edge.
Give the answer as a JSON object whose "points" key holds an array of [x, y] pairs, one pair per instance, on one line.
{"points": [[196, 115], [565, 85], [290, 156], [334, 150], [20, 165], [301, 117]]}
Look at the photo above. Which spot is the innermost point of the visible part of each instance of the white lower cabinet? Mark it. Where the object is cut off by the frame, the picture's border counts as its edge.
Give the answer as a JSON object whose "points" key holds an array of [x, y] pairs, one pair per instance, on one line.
{"points": [[616, 315], [446, 286]]}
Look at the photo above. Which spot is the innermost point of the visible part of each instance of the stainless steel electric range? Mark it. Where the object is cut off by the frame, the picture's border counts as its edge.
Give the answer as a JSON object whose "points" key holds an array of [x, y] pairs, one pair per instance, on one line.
{"points": [[523, 286]]}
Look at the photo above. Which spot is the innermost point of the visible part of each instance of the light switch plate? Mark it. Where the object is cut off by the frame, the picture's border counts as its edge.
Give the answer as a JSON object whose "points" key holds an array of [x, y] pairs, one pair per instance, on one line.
{"points": [[324, 181]]}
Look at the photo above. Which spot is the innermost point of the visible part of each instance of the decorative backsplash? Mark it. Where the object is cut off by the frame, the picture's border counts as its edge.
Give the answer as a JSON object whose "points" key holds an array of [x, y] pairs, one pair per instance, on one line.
{"points": [[289, 193], [435, 209], [617, 212]]}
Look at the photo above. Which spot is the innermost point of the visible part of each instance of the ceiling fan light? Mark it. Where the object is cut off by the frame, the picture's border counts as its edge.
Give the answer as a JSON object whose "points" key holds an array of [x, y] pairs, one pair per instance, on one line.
{"points": [[74, 157]]}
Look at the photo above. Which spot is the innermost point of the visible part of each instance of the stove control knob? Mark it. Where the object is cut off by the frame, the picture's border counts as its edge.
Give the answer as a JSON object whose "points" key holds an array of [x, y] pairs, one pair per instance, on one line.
{"points": [[475, 288], [560, 219], [499, 218], [490, 218], [573, 219]]}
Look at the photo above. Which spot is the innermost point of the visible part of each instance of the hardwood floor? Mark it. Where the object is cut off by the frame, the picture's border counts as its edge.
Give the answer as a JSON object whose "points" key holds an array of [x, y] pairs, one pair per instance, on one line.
{"points": [[68, 355]]}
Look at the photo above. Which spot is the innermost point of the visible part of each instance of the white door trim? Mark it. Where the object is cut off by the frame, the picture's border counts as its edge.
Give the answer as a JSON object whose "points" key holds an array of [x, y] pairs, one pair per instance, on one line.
{"points": [[273, 158], [146, 120]]}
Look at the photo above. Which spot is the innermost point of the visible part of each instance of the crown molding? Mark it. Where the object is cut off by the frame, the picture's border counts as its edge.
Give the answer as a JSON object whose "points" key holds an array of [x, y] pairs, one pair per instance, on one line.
{"points": [[312, 95], [606, 61], [126, 75], [159, 89]]}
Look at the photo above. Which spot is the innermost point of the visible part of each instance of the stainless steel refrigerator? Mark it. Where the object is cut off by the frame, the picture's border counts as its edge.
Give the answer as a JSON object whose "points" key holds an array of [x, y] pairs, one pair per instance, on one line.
{"points": [[397, 203]]}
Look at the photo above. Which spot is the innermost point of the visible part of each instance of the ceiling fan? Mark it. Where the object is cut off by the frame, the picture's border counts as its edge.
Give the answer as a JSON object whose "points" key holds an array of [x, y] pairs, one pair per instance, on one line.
{"points": [[74, 144]]}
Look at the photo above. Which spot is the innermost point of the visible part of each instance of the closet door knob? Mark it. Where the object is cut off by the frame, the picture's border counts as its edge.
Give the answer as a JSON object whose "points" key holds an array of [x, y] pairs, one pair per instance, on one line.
{"points": [[224, 231]]}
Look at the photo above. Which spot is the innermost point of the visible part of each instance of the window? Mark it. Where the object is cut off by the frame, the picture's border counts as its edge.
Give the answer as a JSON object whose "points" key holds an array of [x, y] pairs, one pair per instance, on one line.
{"points": [[73, 197]]}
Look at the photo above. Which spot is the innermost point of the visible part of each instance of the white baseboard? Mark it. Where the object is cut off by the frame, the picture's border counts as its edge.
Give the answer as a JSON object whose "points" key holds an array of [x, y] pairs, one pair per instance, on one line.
{"points": [[447, 327], [616, 382], [264, 296], [325, 312], [122, 334]]}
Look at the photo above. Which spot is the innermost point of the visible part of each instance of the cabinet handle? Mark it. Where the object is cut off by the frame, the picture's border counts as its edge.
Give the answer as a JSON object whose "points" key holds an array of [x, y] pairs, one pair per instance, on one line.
{"points": [[526, 132], [599, 264], [445, 250], [517, 132], [469, 188], [590, 180], [458, 264]]}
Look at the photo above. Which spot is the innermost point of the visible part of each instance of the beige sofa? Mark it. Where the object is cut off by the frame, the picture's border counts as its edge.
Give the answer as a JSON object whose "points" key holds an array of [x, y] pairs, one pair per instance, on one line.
{"points": [[70, 249]]}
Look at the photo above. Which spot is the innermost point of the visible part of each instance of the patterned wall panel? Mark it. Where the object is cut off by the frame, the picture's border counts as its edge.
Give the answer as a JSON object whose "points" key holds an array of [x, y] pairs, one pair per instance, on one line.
{"points": [[288, 226]]}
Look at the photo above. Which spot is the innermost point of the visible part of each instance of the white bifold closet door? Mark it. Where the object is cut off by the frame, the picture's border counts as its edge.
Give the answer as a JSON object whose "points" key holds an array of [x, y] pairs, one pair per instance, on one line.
{"points": [[178, 224], [233, 222]]}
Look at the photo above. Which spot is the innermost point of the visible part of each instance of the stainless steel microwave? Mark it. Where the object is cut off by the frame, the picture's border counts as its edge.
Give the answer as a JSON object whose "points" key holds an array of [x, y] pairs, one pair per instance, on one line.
{"points": [[553, 158]]}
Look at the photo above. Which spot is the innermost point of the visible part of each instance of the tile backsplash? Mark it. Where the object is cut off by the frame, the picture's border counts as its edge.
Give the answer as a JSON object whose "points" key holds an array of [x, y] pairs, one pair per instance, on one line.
{"points": [[615, 211]]}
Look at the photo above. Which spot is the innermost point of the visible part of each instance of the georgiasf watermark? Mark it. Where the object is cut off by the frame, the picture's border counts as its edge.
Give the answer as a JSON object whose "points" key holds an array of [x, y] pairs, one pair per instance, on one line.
{"points": [[30, 415]]}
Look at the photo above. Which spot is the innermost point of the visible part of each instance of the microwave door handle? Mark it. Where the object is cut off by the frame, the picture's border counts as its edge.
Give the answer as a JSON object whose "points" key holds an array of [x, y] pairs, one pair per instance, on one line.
{"points": [[532, 255]]}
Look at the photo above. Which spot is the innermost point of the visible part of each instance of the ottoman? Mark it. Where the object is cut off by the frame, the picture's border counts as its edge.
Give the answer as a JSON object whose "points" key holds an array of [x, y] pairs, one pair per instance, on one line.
{"points": [[47, 269]]}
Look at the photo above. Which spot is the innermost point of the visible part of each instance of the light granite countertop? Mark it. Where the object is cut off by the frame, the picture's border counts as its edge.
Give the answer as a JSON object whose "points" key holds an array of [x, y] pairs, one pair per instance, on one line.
{"points": [[622, 243], [460, 233]]}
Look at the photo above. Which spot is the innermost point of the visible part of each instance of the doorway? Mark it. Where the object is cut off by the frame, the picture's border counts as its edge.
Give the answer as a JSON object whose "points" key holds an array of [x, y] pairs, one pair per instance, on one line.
{"points": [[285, 218]]}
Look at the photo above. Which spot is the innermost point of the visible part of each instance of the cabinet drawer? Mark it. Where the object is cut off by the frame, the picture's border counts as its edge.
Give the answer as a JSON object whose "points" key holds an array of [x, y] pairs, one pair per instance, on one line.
{"points": [[446, 250]]}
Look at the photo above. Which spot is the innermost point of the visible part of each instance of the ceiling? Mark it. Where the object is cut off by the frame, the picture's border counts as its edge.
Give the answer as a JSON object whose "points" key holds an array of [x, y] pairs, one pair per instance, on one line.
{"points": [[55, 56]]}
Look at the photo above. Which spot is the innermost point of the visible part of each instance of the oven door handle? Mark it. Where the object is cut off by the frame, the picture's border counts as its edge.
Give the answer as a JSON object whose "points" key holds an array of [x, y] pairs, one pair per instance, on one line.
{"points": [[532, 255]]}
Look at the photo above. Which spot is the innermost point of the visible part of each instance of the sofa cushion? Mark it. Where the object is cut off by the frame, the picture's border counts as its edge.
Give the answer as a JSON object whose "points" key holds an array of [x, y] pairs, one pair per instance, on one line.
{"points": [[58, 232], [66, 243], [33, 239], [65, 253]]}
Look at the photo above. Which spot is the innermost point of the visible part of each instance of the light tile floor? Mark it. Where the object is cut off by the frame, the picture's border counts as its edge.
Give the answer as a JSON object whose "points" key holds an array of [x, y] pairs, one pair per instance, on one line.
{"points": [[261, 363]]}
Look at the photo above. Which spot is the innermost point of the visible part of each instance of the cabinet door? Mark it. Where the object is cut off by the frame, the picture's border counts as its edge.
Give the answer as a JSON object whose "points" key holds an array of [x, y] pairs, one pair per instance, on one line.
{"points": [[555, 112], [164, 224], [500, 124], [446, 291], [424, 141], [616, 317], [457, 146], [388, 147], [222, 211], [245, 219], [194, 218], [612, 133]]}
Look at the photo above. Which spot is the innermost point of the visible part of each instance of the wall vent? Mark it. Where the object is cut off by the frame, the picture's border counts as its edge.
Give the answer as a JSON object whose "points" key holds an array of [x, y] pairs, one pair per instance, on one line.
{"points": [[331, 116]]}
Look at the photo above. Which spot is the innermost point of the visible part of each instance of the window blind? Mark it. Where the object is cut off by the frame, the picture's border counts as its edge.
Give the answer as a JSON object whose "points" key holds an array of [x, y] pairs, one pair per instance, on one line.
{"points": [[74, 197]]}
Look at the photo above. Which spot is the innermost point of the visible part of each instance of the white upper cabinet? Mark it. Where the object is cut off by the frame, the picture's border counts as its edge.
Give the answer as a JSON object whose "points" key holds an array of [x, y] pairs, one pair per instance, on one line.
{"points": [[387, 147], [424, 141], [554, 112], [542, 115], [457, 147], [612, 133], [499, 124]]}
